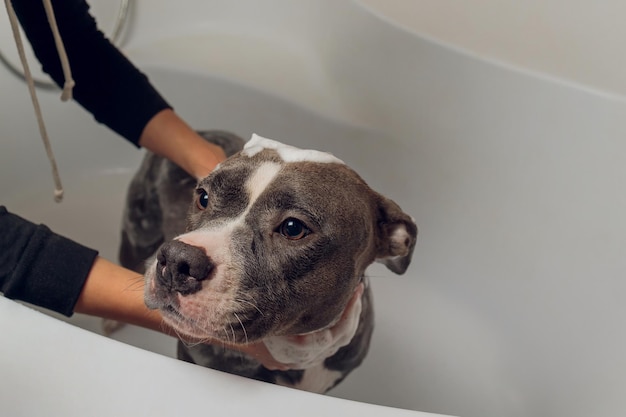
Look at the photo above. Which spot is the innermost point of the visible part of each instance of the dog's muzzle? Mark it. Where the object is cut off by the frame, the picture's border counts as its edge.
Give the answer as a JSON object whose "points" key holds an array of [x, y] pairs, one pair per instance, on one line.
{"points": [[182, 268]]}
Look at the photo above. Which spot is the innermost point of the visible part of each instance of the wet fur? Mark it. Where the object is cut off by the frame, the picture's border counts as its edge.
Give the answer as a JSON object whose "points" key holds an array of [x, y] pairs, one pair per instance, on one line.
{"points": [[157, 211]]}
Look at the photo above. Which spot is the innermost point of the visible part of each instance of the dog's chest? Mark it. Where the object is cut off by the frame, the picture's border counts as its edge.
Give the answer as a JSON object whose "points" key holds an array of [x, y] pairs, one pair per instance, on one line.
{"points": [[316, 379]]}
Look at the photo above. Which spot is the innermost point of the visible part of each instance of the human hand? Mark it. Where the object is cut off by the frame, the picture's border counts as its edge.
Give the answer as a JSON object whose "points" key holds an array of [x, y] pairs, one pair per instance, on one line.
{"points": [[106, 294], [169, 136]]}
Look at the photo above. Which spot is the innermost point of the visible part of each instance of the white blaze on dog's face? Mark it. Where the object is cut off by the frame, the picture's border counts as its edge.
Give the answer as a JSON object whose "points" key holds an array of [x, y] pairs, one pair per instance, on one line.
{"points": [[278, 239]]}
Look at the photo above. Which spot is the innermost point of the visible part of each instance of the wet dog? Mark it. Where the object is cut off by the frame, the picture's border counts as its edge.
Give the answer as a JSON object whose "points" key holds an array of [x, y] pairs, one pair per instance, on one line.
{"points": [[272, 246]]}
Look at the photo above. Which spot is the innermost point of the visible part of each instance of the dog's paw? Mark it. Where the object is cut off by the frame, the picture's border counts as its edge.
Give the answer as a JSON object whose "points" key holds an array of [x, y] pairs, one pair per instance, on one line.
{"points": [[111, 326]]}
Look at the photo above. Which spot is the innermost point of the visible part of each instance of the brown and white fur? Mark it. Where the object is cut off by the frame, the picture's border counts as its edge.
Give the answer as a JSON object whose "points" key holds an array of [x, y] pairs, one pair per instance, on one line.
{"points": [[273, 248]]}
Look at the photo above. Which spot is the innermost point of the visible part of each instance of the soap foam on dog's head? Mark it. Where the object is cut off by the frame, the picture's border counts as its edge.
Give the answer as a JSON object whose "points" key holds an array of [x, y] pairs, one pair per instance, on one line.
{"points": [[287, 153]]}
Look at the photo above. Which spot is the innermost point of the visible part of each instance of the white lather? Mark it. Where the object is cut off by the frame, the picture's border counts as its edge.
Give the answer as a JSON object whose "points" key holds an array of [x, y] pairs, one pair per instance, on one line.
{"points": [[288, 153]]}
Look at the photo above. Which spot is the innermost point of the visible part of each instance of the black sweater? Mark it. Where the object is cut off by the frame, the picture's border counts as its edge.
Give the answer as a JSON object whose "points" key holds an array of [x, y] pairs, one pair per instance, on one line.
{"points": [[37, 265], [107, 84]]}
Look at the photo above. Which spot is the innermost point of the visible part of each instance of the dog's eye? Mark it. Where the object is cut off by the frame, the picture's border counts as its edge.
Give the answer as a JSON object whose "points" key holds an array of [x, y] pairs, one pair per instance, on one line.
{"points": [[202, 199], [293, 229]]}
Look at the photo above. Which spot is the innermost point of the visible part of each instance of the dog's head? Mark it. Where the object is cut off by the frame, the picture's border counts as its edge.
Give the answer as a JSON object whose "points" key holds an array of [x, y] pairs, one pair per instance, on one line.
{"points": [[277, 240]]}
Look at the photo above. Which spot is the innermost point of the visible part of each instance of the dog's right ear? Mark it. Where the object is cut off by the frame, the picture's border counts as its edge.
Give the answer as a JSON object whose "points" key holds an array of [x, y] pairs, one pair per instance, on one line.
{"points": [[397, 234]]}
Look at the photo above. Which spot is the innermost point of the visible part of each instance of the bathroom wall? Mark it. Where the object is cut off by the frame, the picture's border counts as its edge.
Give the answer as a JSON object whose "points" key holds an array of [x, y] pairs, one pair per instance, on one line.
{"points": [[579, 41]]}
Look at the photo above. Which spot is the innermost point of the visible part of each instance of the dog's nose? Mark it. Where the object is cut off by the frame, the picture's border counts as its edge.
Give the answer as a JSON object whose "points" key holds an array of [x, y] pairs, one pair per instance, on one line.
{"points": [[182, 267]]}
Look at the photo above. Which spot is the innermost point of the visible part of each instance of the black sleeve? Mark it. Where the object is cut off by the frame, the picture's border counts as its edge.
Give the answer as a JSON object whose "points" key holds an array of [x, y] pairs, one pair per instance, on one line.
{"points": [[107, 84], [39, 266]]}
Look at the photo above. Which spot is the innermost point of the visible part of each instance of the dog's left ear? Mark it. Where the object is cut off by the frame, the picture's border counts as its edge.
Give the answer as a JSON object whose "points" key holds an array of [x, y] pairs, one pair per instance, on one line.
{"points": [[397, 234]]}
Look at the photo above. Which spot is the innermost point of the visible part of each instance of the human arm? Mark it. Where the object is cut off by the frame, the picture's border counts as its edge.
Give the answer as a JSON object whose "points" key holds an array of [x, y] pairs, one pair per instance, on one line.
{"points": [[110, 87], [39, 266], [114, 292], [169, 136], [48, 270]]}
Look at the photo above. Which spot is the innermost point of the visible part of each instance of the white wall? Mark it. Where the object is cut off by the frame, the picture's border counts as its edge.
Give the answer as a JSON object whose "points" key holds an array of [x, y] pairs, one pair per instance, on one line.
{"points": [[580, 41]]}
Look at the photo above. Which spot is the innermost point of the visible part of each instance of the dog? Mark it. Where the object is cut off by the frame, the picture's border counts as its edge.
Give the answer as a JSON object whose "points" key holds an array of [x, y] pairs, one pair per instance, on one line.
{"points": [[272, 246]]}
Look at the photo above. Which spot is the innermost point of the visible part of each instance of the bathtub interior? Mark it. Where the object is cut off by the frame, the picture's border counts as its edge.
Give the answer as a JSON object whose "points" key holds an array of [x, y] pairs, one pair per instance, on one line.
{"points": [[96, 176], [514, 302], [459, 321]]}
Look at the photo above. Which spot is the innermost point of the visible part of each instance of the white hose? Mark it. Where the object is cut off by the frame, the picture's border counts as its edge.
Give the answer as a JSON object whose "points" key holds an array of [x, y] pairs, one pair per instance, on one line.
{"points": [[67, 90]]}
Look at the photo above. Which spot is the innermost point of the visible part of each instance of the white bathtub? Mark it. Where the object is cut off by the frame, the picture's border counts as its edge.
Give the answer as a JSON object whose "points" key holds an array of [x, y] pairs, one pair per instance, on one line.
{"points": [[514, 304]]}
